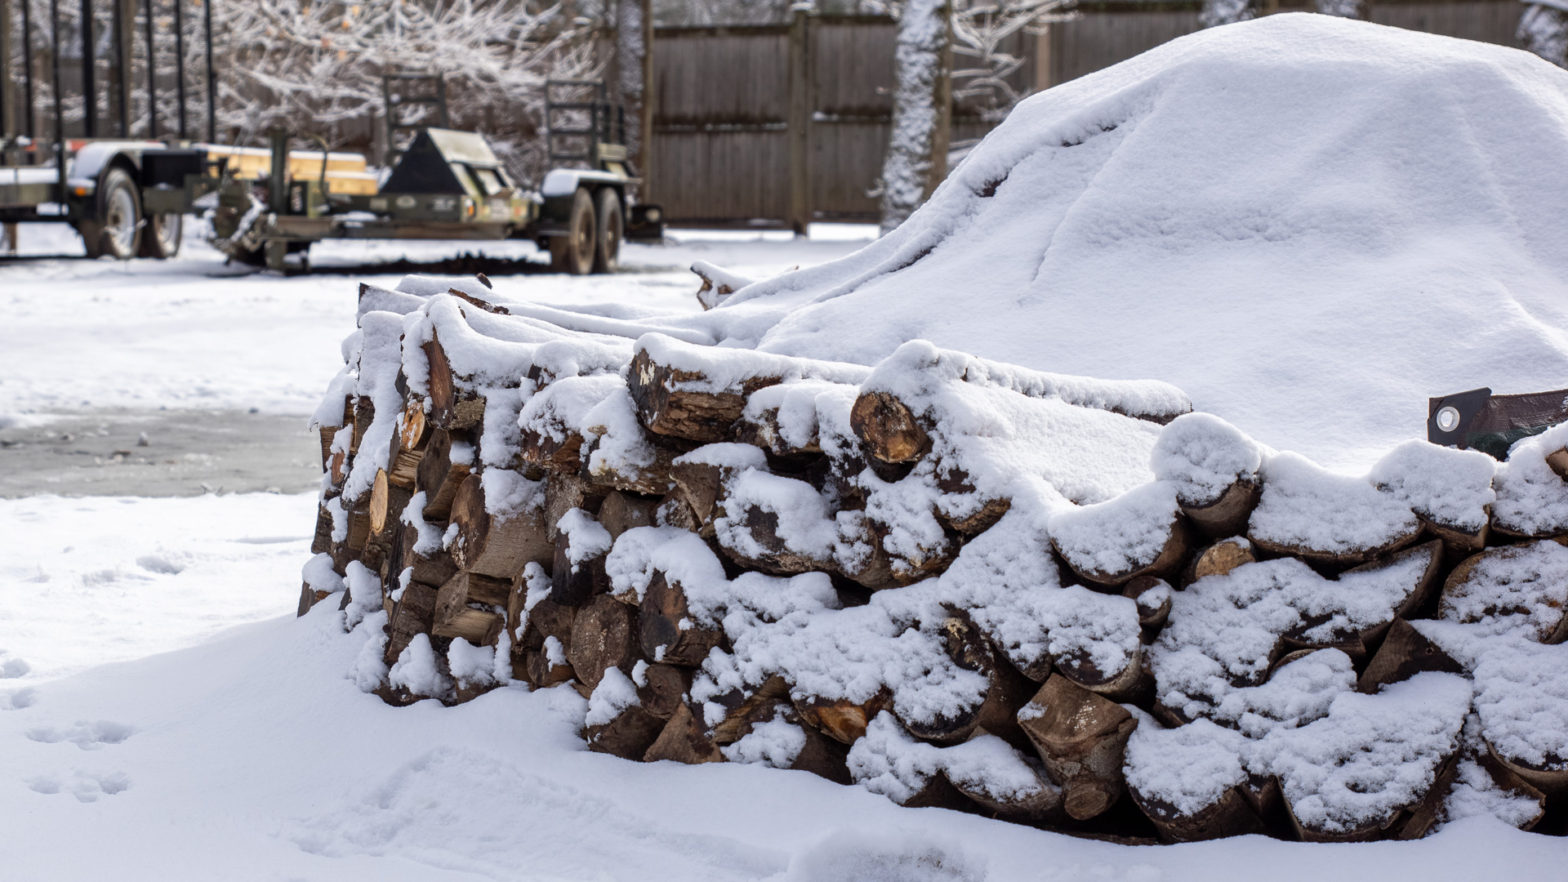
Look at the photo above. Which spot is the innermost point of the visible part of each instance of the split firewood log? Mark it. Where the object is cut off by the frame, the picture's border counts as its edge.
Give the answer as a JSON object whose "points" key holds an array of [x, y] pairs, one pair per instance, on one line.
{"points": [[620, 512], [1155, 544], [1081, 738], [1424, 563], [364, 415], [492, 545], [744, 709], [432, 569], [683, 740], [329, 433], [818, 754], [308, 598], [546, 668], [576, 578], [1153, 596], [666, 631], [680, 390], [1404, 653], [359, 523], [455, 613], [453, 405], [629, 735], [888, 429], [604, 635], [408, 444], [1010, 691], [955, 483], [562, 493], [682, 403], [1187, 807], [1232, 815], [440, 475], [1219, 559], [321, 541], [1228, 512], [842, 720], [1347, 521], [662, 688], [967, 648], [387, 501], [412, 615], [700, 478], [1517, 586], [652, 478]]}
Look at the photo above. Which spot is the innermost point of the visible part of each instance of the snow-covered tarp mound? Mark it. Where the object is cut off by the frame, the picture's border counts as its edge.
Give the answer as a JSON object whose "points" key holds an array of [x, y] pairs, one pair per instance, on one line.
{"points": [[1060, 601], [1295, 215]]}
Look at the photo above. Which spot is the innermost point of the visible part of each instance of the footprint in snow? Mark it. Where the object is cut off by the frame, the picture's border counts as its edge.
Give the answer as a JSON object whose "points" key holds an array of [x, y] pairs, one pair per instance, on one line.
{"points": [[85, 786], [19, 699], [12, 668], [86, 735]]}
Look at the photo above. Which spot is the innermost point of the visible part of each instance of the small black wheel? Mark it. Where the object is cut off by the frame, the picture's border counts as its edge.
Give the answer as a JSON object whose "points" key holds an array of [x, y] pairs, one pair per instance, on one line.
{"points": [[117, 230], [612, 228], [161, 236], [576, 252]]}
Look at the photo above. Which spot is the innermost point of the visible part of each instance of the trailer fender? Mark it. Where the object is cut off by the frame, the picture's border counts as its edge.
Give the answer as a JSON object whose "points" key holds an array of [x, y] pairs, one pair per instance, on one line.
{"points": [[89, 164], [560, 186]]}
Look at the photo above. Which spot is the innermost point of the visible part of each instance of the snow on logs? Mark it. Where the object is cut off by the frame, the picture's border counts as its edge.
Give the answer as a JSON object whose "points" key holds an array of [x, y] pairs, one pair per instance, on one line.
{"points": [[1047, 599]]}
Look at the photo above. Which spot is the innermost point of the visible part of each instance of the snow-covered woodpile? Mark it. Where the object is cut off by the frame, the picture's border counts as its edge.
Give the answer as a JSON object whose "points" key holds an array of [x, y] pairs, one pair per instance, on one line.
{"points": [[1058, 601]]}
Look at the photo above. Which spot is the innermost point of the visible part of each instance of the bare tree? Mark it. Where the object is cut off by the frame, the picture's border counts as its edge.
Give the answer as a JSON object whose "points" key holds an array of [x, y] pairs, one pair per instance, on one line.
{"points": [[982, 34]]}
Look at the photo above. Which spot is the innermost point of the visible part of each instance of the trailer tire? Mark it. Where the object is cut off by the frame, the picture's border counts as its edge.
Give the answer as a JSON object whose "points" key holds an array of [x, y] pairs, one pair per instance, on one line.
{"points": [[612, 229], [576, 251], [117, 228], [161, 236]]}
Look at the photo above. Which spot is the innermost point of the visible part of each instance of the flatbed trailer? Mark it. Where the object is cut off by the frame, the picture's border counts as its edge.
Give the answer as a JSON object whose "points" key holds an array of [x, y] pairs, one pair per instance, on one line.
{"points": [[127, 197]]}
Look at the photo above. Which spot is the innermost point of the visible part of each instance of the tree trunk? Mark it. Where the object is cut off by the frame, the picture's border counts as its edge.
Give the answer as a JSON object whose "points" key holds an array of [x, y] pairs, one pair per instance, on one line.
{"points": [[922, 69]]}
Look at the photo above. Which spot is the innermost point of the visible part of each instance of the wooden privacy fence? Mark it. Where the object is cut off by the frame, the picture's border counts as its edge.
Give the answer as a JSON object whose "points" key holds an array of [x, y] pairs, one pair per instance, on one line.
{"points": [[776, 125], [780, 125]]}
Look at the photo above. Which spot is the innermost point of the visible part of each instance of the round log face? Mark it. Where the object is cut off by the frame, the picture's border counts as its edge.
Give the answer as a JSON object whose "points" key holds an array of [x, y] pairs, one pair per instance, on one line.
{"points": [[887, 427]]}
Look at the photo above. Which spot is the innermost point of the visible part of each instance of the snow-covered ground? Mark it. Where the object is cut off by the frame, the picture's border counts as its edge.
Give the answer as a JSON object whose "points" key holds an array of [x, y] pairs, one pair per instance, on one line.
{"points": [[163, 715]]}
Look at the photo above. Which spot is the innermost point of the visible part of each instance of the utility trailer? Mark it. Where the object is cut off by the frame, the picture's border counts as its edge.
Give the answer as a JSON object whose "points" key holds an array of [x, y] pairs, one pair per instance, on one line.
{"points": [[123, 195], [127, 197], [446, 184]]}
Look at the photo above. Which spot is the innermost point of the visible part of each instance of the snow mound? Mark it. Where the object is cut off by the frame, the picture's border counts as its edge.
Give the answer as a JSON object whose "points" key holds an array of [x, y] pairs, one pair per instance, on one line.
{"points": [[1280, 217]]}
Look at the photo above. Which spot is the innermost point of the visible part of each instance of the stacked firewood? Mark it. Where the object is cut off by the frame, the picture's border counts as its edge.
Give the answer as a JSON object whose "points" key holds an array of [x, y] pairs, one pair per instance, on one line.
{"points": [[1053, 600]]}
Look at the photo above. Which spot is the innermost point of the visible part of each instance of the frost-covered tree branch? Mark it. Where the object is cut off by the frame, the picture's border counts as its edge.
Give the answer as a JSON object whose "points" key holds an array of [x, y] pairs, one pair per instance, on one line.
{"points": [[1543, 29]]}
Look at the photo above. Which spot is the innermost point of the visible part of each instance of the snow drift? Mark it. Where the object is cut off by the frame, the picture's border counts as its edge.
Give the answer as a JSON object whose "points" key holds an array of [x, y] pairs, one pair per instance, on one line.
{"points": [[1299, 214]]}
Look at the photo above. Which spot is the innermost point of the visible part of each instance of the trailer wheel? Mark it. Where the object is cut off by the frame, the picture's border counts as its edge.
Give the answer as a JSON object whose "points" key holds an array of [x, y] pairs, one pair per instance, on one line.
{"points": [[161, 236], [575, 252], [117, 230], [612, 229]]}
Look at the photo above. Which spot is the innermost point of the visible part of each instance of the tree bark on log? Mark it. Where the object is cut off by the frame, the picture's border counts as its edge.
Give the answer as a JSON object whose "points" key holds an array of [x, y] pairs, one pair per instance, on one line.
{"points": [[439, 477], [1228, 514], [408, 444], [491, 546], [666, 632], [888, 429], [1081, 737], [1231, 815], [664, 688], [413, 614], [604, 635], [1404, 654], [576, 584], [683, 740], [623, 511], [452, 404], [628, 736], [968, 649], [676, 403]]}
